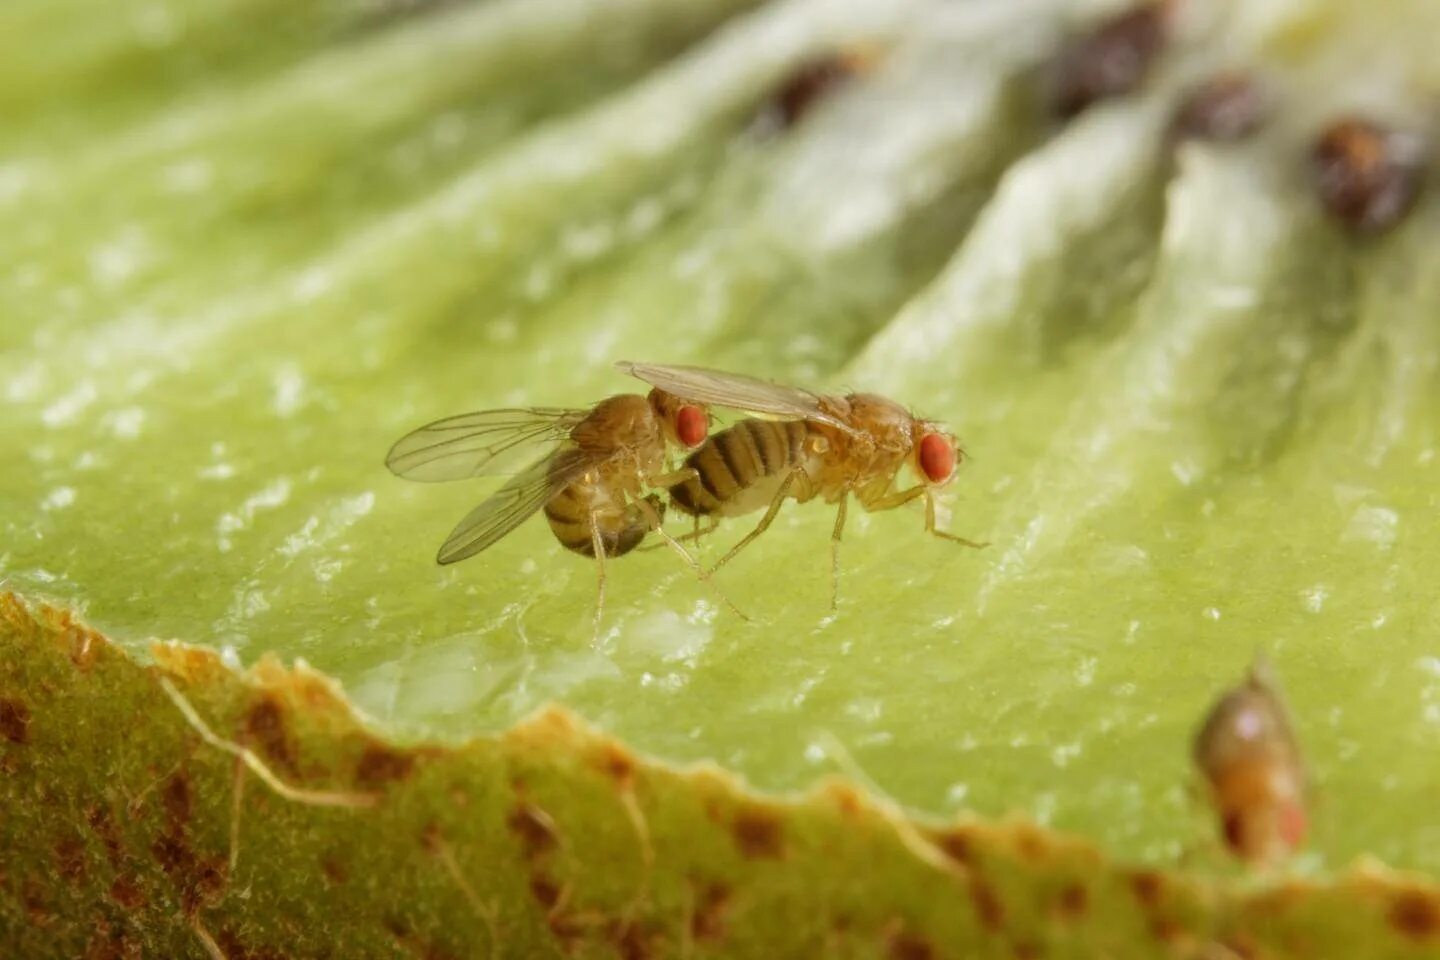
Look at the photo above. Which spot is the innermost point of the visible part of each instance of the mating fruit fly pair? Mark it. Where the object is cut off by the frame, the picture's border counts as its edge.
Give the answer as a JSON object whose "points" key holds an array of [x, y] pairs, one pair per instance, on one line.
{"points": [[601, 465]]}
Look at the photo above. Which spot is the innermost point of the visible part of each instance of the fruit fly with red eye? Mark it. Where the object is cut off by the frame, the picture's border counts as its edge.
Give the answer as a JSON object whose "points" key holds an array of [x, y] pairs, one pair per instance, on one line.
{"points": [[821, 446], [591, 478], [1250, 762]]}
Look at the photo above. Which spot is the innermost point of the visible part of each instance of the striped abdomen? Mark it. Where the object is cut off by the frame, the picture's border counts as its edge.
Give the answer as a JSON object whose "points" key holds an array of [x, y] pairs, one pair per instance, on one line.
{"points": [[741, 468], [620, 530]]}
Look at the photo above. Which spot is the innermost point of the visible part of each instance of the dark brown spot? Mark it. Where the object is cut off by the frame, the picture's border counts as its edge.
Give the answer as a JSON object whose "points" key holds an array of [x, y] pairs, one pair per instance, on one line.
{"points": [[988, 907], [126, 893], [334, 869], [708, 922], [380, 765], [816, 79], [1228, 106], [197, 881], [545, 892], [211, 878], [1416, 915], [758, 834], [910, 946], [1028, 950], [1367, 176], [532, 826], [70, 860], [1072, 902], [14, 721], [173, 855], [1111, 60], [618, 765], [265, 726], [175, 796], [1148, 887], [958, 846], [847, 800], [37, 911]]}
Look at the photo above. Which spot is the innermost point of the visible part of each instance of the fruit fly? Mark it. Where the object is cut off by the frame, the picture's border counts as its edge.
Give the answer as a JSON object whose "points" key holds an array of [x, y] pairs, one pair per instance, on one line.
{"points": [[1250, 761], [591, 481], [824, 446]]}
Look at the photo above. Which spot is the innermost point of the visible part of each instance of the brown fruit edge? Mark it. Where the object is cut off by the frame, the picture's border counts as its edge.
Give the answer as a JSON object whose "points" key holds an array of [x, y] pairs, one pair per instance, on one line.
{"points": [[271, 822]]}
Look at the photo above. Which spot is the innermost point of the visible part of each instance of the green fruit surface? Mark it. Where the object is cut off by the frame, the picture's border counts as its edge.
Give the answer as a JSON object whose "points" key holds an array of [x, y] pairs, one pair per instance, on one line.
{"points": [[248, 244]]}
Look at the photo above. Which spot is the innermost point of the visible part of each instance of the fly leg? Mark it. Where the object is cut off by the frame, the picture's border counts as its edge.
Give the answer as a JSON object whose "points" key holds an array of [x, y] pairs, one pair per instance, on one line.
{"points": [[666, 481], [901, 497], [673, 479], [599, 546], [930, 525], [654, 518], [835, 551], [694, 534], [698, 531], [764, 523]]}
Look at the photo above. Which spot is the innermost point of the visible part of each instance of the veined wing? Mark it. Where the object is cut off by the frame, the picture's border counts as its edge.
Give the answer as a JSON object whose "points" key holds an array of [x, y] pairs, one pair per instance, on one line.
{"points": [[478, 444], [750, 394], [513, 503]]}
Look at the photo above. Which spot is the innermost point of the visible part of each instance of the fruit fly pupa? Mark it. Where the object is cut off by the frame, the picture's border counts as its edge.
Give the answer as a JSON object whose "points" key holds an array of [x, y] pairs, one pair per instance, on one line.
{"points": [[1250, 762], [1366, 175], [828, 447], [591, 479]]}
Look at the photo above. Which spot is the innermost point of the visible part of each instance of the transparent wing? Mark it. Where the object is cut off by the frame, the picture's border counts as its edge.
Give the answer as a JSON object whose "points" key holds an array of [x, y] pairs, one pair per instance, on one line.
{"points": [[478, 444], [513, 503], [752, 395]]}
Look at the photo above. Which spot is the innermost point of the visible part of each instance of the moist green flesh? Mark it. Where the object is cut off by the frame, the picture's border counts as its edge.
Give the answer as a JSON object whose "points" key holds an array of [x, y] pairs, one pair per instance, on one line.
{"points": [[1202, 422]]}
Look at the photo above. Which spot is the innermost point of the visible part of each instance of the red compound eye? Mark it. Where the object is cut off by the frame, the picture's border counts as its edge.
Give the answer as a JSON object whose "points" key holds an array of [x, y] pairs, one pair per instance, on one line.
{"points": [[937, 457], [691, 425]]}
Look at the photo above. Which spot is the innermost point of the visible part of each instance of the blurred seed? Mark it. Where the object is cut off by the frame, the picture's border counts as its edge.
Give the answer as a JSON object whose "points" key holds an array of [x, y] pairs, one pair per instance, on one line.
{"points": [[1111, 60], [1228, 106], [1366, 174], [817, 79]]}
